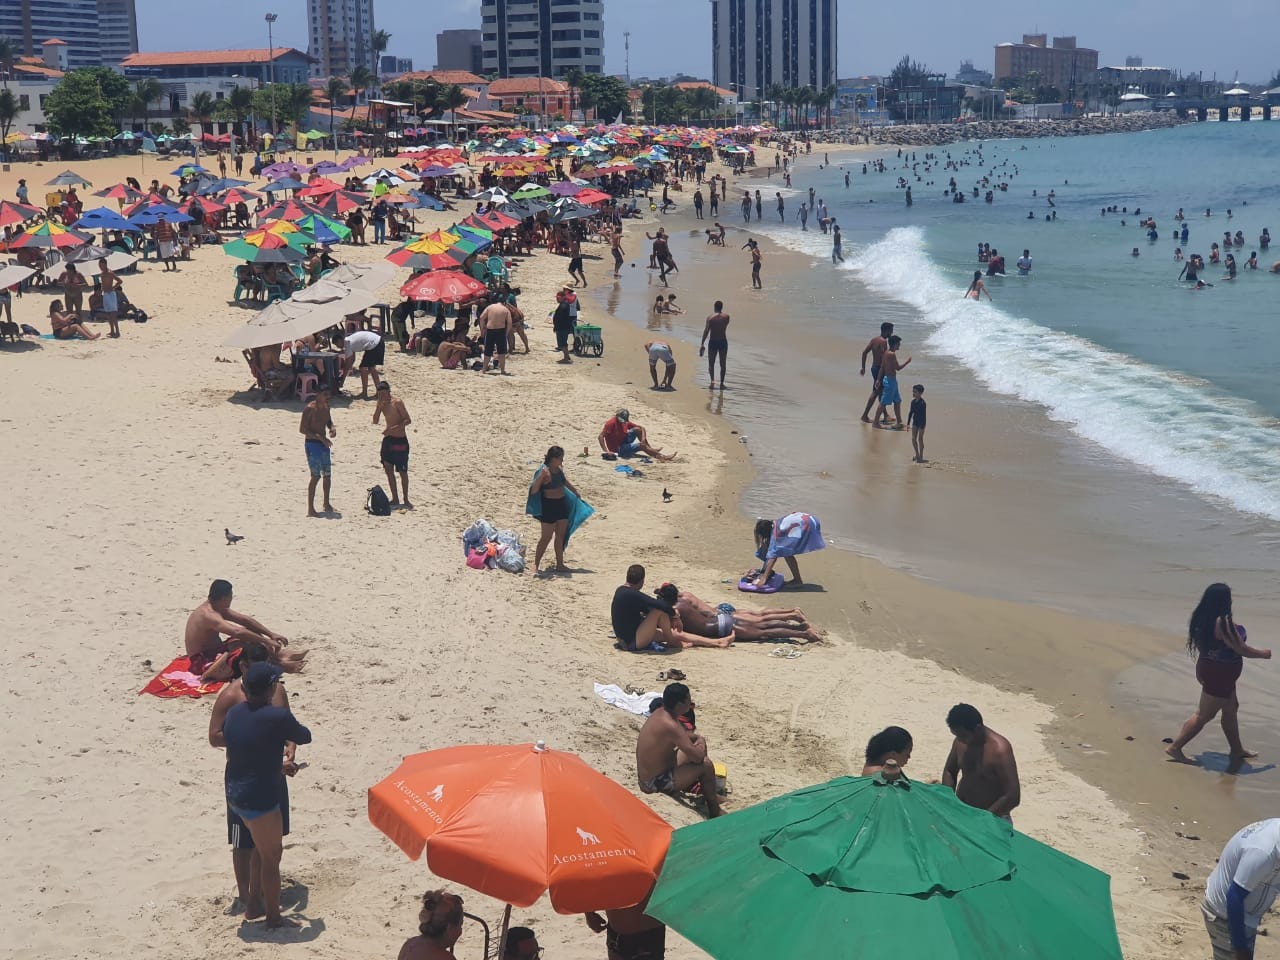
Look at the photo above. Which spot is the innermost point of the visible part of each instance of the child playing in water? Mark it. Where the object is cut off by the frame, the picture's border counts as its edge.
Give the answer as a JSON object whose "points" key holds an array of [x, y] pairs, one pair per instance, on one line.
{"points": [[915, 420]]}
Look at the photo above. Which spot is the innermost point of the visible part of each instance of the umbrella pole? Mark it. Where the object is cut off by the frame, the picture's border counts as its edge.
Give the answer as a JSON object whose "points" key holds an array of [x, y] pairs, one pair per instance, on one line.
{"points": [[502, 937]]}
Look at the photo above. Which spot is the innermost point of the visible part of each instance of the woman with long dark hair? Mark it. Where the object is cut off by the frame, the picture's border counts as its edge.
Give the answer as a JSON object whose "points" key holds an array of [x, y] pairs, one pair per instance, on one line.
{"points": [[557, 505], [1219, 645]]}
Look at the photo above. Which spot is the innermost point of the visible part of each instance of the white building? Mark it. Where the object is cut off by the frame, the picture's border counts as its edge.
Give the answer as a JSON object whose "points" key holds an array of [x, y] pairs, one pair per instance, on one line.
{"points": [[542, 38], [758, 43], [338, 33]]}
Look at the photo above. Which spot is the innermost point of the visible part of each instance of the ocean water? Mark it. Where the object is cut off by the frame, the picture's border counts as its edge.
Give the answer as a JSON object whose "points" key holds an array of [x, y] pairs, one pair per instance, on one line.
{"points": [[1182, 384]]}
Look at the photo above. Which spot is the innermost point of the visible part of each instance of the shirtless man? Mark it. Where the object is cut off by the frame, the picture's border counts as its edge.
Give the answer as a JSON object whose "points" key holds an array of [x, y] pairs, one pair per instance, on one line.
{"points": [[615, 247], [316, 419], [669, 756], [395, 445], [890, 367], [110, 297], [701, 619], [981, 768], [210, 654], [716, 329], [495, 325], [630, 933], [876, 346]]}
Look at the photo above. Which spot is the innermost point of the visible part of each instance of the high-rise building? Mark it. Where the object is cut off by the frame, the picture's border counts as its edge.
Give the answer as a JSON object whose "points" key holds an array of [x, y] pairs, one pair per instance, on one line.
{"points": [[118, 27], [31, 22], [1064, 65], [756, 44], [459, 50], [339, 32], [542, 38]]}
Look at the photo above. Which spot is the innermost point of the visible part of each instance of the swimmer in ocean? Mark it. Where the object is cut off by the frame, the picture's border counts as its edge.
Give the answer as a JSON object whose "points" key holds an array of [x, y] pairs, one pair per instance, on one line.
{"points": [[977, 288]]}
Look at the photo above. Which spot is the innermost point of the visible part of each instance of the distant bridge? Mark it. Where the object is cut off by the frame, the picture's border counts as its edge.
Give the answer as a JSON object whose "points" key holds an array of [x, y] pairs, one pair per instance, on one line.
{"points": [[1201, 108]]}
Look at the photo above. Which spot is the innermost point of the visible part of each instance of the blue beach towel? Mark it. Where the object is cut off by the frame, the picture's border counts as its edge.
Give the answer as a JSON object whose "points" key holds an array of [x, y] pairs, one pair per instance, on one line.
{"points": [[579, 510], [794, 534]]}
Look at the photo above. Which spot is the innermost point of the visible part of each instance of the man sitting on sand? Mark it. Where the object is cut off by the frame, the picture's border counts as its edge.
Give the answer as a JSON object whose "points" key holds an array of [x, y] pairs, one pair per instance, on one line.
{"points": [[981, 768], [640, 621], [211, 655], [669, 756], [620, 437], [701, 619]]}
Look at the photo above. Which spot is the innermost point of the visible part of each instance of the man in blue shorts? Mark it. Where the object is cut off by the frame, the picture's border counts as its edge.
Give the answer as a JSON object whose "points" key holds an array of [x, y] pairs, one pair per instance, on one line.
{"points": [[876, 347], [316, 420], [620, 437], [890, 366]]}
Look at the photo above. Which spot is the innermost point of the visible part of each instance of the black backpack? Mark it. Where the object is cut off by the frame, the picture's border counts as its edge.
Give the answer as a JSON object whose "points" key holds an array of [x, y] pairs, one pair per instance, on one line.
{"points": [[378, 503]]}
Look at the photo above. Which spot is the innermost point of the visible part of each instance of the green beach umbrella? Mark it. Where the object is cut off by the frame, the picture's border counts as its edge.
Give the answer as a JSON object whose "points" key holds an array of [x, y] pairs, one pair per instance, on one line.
{"points": [[531, 189], [879, 870]]}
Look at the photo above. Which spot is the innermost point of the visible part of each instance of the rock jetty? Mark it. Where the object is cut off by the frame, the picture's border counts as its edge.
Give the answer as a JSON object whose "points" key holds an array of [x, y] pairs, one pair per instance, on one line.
{"points": [[936, 134]]}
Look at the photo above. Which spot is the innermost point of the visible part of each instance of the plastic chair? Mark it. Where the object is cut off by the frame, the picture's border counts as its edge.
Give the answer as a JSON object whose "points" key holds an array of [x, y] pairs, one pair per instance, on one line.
{"points": [[498, 269], [306, 386]]}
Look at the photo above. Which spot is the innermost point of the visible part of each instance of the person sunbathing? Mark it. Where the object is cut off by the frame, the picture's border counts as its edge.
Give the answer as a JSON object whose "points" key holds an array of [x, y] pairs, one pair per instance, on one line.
{"points": [[65, 325], [211, 655], [771, 624]]}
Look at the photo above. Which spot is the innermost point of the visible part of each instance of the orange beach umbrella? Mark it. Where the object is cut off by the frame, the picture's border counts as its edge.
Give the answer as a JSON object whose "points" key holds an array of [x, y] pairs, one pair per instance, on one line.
{"points": [[513, 822]]}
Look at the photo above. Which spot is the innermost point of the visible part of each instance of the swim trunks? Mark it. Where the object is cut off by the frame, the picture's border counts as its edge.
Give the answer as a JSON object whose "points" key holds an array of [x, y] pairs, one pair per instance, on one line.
{"points": [[575, 265], [375, 357], [630, 444], [1218, 678], [724, 624], [617, 257], [645, 945], [110, 302], [395, 453], [718, 348], [318, 459], [664, 782], [200, 662], [660, 351], [889, 390], [238, 835], [495, 341]]}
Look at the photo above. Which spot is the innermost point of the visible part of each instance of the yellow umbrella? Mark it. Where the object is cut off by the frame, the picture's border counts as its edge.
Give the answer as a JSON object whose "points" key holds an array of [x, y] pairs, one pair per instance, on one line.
{"points": [[433, 243], [16, 137]]}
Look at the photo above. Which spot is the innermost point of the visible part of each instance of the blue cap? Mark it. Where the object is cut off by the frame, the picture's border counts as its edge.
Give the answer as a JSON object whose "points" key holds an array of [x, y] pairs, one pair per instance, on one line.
{"points": [[259, 678]]}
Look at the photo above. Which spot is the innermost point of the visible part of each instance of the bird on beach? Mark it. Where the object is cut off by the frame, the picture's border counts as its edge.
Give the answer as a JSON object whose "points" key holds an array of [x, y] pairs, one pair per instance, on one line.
{"points": [[232, 539], [666, 497]]}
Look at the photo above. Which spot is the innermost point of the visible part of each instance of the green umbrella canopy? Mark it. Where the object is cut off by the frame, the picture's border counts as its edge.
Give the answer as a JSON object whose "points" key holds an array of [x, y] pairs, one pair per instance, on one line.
{"points": [[241, 250], [861, 867]]}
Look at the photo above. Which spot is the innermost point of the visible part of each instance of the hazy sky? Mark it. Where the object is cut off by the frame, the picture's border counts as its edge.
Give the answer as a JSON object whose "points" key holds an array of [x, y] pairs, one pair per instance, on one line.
{"points": [[1222, 38]]}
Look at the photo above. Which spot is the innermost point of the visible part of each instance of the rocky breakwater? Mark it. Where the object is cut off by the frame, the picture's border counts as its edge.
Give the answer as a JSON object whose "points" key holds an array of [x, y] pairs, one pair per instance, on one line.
{"points": [[936, 134]]}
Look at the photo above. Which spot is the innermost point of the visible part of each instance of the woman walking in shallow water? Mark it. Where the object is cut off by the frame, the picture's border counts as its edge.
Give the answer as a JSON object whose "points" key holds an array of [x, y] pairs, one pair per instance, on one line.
{"points": [[977, 288], [1219, 646]]}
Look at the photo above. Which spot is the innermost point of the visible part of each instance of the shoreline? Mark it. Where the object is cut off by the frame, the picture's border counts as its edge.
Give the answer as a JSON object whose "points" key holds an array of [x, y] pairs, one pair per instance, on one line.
{"points": [[411, 650]]}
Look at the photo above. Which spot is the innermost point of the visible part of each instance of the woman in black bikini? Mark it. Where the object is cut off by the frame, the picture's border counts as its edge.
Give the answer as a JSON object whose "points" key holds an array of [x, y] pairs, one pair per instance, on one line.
{"points": [[550, 482], [65, 326]]}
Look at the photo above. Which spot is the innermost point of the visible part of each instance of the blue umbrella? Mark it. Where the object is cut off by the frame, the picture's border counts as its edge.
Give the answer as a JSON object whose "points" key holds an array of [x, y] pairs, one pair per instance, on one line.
{"points": [[284, 183], [187, 167], [103, 218], [424, 201], [220, 186], [149, 216]]}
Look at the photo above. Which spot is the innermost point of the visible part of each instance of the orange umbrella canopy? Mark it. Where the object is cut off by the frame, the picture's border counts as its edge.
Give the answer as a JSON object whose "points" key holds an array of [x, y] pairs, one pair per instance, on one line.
{"points": [[513, 822]]}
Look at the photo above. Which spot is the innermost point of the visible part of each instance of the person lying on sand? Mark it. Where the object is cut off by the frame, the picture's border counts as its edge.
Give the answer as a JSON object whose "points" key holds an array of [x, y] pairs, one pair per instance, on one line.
{"points": [[771, 624], [640, 620], [210, 654]]}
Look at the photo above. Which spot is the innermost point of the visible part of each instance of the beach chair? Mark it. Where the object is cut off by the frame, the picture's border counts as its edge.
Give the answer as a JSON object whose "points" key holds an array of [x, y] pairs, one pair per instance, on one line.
{"points": [[276, 385], [498, 269]]}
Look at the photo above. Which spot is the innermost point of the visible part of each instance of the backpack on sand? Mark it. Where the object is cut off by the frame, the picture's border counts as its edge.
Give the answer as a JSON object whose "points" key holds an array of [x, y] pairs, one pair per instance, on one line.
{"points": [[378, 503]]}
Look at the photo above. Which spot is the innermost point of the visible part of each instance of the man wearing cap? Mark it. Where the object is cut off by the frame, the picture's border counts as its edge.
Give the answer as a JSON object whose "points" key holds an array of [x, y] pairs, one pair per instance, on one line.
{"points": [[23, 193], [245, 862], [395, 444], [621, 438], [255, 733]]}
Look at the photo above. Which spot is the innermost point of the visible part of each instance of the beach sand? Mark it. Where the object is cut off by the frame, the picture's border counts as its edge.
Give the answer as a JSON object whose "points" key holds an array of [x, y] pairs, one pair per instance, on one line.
{"points": [[127, 460]]}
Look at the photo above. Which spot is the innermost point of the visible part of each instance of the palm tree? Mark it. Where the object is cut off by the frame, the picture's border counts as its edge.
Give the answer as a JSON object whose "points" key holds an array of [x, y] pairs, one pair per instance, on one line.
{"points": [[804, 97], [360, 79], [832, 93], [378, 44], [335, 90], [201, 109], [9, 110], [8, 53], [774, 93], [148, 92], [573, 80], [451, 98]]}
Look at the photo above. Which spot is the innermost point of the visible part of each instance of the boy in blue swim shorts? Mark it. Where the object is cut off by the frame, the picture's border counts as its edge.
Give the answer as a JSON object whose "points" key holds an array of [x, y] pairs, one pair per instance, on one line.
{"points": [[316, 420], [890, 367]]}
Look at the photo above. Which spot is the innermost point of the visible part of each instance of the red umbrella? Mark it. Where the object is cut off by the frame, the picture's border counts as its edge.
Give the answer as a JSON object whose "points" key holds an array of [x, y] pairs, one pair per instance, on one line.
{"points": [[289, 210], [11, 213], [338, 204], [319, 187], [592, 196], [239, 195], [443, 286], [50, 234], [121, 191]]}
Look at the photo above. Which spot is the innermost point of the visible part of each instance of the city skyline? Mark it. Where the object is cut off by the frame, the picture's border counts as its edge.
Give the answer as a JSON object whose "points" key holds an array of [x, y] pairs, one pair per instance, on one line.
{"points": [[871, 38]]}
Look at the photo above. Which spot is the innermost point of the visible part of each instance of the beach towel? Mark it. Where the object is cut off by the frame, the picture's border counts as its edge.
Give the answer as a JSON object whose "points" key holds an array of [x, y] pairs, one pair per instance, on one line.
{"points": [[579, 510], [794, 534], [637, 703], [177, 680]]}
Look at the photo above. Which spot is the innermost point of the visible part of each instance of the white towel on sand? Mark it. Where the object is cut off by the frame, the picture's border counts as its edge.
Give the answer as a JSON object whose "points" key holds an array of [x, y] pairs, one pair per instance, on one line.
{"points": [[637, 703]]}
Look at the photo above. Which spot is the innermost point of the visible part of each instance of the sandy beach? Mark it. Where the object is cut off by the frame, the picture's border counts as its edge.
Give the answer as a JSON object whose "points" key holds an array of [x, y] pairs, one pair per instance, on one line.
{"points": [[129, 457]]}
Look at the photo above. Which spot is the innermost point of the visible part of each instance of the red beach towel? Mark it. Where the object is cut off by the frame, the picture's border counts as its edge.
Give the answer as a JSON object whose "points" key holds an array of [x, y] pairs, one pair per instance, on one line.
{"points": [[177, 680]]}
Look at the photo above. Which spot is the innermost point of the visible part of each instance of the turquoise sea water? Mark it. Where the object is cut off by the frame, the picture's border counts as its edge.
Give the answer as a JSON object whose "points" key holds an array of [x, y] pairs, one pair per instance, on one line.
{"points": [[1182, 384]]}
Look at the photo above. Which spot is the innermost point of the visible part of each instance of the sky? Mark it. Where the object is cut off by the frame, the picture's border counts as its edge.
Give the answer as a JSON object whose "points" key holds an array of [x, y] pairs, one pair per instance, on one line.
{"points": [[1222, 38]]}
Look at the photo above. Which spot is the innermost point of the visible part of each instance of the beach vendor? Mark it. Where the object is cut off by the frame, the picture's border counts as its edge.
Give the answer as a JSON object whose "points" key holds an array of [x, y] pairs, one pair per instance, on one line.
{"points": [[557, 505], [785, 539]]}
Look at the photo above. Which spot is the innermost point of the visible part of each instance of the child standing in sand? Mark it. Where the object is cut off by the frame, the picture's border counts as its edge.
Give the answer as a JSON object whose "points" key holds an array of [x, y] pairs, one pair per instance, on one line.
{"points": [[915, 420]]}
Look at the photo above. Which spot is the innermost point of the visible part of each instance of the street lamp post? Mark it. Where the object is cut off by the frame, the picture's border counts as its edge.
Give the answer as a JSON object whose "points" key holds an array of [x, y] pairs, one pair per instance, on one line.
{"points": [[271, 66]]}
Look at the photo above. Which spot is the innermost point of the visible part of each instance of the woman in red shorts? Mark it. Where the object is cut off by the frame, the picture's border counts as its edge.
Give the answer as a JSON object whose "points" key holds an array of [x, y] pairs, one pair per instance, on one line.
{"points": [[1219, 646]]}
